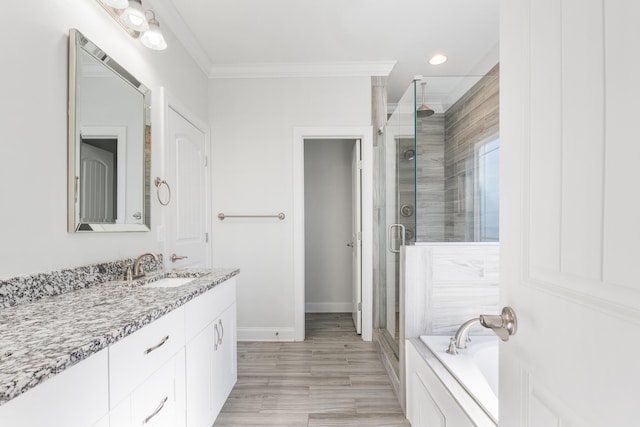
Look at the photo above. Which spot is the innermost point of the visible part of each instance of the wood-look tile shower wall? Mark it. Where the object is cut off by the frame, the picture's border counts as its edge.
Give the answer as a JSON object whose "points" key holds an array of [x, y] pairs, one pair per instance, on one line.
{"points": [[445, 149], [472, 119]]}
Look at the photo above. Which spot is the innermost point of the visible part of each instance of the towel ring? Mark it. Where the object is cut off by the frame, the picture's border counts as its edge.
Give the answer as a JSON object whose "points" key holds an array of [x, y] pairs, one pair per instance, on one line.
{"points": [[158, 182]]}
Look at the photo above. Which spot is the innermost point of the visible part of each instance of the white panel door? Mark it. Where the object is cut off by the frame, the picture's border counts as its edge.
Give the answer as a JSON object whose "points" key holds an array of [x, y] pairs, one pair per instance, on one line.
{"points": [[356, 234], [96, 184], [188, 177], [569, 205]]}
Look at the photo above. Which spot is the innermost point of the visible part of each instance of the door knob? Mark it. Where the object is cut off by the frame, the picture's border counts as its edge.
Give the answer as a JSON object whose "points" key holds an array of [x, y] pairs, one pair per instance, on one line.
{"points": [[350, 244], [175, 257]]}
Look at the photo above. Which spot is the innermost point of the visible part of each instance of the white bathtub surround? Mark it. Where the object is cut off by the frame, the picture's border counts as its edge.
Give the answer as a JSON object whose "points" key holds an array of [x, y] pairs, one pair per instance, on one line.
{"points": [[475, 368], [435, 397], [442, 285], [447, 284]]}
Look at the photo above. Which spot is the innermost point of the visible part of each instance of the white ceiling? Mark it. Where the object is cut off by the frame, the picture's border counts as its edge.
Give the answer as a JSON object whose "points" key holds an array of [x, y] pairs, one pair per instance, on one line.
{"points": [[233, 36]]}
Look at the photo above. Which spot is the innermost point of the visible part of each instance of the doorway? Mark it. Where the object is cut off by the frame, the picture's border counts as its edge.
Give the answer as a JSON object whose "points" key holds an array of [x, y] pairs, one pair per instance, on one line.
{"points": [[332, 220], [364, 134]]}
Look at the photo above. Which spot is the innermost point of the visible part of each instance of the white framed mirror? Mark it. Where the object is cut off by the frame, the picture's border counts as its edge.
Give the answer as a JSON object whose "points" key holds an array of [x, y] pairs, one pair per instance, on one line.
{"points": [[109, 144]]}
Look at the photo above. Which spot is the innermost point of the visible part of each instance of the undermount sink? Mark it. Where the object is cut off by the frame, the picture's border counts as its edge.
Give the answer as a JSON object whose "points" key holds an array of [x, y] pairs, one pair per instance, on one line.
{"points": [[169, 282]]}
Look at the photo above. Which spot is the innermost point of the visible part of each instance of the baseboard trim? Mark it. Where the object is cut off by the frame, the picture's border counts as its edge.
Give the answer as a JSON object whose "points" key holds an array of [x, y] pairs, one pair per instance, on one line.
{"points": [[328, 307], [266, 334]]}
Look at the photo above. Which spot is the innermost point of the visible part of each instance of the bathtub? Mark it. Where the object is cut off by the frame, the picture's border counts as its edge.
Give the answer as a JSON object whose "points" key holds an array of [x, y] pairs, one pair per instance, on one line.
{"points": [[475, 368]]}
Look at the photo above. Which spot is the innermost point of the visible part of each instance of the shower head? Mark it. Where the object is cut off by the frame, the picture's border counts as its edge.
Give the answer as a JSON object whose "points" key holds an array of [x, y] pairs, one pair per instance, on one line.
{"points": [[423, 110]]}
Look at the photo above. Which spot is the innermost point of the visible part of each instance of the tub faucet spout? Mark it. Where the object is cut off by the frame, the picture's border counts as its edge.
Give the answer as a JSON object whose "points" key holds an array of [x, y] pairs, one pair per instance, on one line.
{"points": [[503, 325], [459, 341]]}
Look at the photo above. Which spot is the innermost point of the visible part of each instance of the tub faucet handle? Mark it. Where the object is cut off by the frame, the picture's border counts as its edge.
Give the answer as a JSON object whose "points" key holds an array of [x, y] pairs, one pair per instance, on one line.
{"points": [[453, 349], [504, 325]]}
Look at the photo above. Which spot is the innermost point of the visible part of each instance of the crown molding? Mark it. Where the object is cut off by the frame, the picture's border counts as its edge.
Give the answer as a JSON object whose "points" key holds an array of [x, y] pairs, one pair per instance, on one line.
{"points": [[169, 17], [309, 69]]}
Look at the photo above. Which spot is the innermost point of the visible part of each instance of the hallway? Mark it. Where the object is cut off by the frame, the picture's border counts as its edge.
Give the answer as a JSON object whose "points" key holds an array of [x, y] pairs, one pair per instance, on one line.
{"points": [[333, 378]]}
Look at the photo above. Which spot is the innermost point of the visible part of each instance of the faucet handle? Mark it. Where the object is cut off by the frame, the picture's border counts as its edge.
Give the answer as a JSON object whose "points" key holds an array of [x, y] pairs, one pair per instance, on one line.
{"points": [[128, 273], [453, 349], [504, 325]]}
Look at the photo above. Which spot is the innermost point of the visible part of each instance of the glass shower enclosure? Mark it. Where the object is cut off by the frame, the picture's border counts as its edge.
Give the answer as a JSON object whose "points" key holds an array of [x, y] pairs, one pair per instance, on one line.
{"points": [[437, 177]]}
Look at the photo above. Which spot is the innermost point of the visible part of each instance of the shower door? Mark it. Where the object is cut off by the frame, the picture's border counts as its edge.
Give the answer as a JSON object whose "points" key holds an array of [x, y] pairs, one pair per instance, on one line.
{"points": [[397, 160]]}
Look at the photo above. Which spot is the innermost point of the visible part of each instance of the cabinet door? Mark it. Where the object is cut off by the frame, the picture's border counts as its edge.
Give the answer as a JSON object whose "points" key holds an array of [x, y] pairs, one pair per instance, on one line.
{"points": [[424, 410], [225, 372], [199, 371]]}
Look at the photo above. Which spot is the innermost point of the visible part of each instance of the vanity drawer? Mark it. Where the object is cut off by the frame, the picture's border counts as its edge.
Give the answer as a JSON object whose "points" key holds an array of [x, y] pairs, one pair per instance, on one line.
{"points": [[158, 402], [136, 357], [204, 309]]}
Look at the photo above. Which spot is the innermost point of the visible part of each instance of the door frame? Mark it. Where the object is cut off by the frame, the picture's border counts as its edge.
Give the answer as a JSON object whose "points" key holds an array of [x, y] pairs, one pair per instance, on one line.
{"points": [[169, 102], [300, 134], [119, 133]]}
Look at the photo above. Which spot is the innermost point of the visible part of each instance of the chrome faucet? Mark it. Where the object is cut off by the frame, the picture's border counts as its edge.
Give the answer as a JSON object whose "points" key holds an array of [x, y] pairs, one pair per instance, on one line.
{"points": [[138, 270], [459, 341], [503, 325]]}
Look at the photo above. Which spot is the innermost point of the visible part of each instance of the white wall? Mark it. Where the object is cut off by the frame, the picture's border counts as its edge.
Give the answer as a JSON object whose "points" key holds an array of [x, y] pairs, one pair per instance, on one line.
{"points": [[328, 215], [33, 122], [252, 139]]}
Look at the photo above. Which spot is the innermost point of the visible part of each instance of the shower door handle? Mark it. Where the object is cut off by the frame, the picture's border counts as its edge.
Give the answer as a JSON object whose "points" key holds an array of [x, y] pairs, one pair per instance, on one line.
{"points": [[390, 237]]}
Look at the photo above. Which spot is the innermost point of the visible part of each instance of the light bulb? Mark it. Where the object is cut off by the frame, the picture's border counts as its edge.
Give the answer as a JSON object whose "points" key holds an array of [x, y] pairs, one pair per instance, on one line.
{"points": [[438, 59], [135, 20], [133, 16], [153, 38]]}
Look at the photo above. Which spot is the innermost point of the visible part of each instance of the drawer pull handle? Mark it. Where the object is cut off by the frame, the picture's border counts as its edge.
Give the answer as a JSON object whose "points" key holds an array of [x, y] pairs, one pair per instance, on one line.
{"points": [[221, 331], [216, 337], [158, 409], [155, 347]]}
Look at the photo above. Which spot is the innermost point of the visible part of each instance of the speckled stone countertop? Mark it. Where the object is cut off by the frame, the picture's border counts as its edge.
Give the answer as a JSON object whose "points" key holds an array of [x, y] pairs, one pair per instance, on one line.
{"points": [[42, 338]]}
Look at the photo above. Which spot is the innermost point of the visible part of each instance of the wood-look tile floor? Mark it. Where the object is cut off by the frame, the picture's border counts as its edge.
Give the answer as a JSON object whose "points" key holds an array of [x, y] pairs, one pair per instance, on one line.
{"points": [[333, 378]]}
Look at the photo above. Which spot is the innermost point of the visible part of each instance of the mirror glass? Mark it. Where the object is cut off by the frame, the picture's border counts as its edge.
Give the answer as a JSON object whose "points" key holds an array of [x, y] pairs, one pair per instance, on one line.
{"points": [[109, 143]]}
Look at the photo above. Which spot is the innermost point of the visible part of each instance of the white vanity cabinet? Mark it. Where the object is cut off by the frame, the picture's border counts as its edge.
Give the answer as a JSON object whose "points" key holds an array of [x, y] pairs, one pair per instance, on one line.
{"points": [[177, 370], [77, 397], [211, 366]]}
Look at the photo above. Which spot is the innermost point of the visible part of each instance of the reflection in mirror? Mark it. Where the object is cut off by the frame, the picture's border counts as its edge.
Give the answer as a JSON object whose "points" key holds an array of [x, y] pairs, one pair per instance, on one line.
{"points": [[109, 143]]}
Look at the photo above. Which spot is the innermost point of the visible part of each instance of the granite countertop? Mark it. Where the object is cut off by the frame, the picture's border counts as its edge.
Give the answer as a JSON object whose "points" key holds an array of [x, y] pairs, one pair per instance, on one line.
{"points": [[42, 338]]}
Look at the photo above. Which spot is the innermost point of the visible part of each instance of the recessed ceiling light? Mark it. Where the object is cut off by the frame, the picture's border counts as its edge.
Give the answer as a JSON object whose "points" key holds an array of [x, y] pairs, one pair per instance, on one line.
{"points": [[438, 59]]}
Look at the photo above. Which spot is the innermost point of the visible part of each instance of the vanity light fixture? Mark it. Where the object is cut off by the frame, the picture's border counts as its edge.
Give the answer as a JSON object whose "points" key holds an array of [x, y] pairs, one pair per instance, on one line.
{"points": [[133, 18], [153, 38], [438, 59]]}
